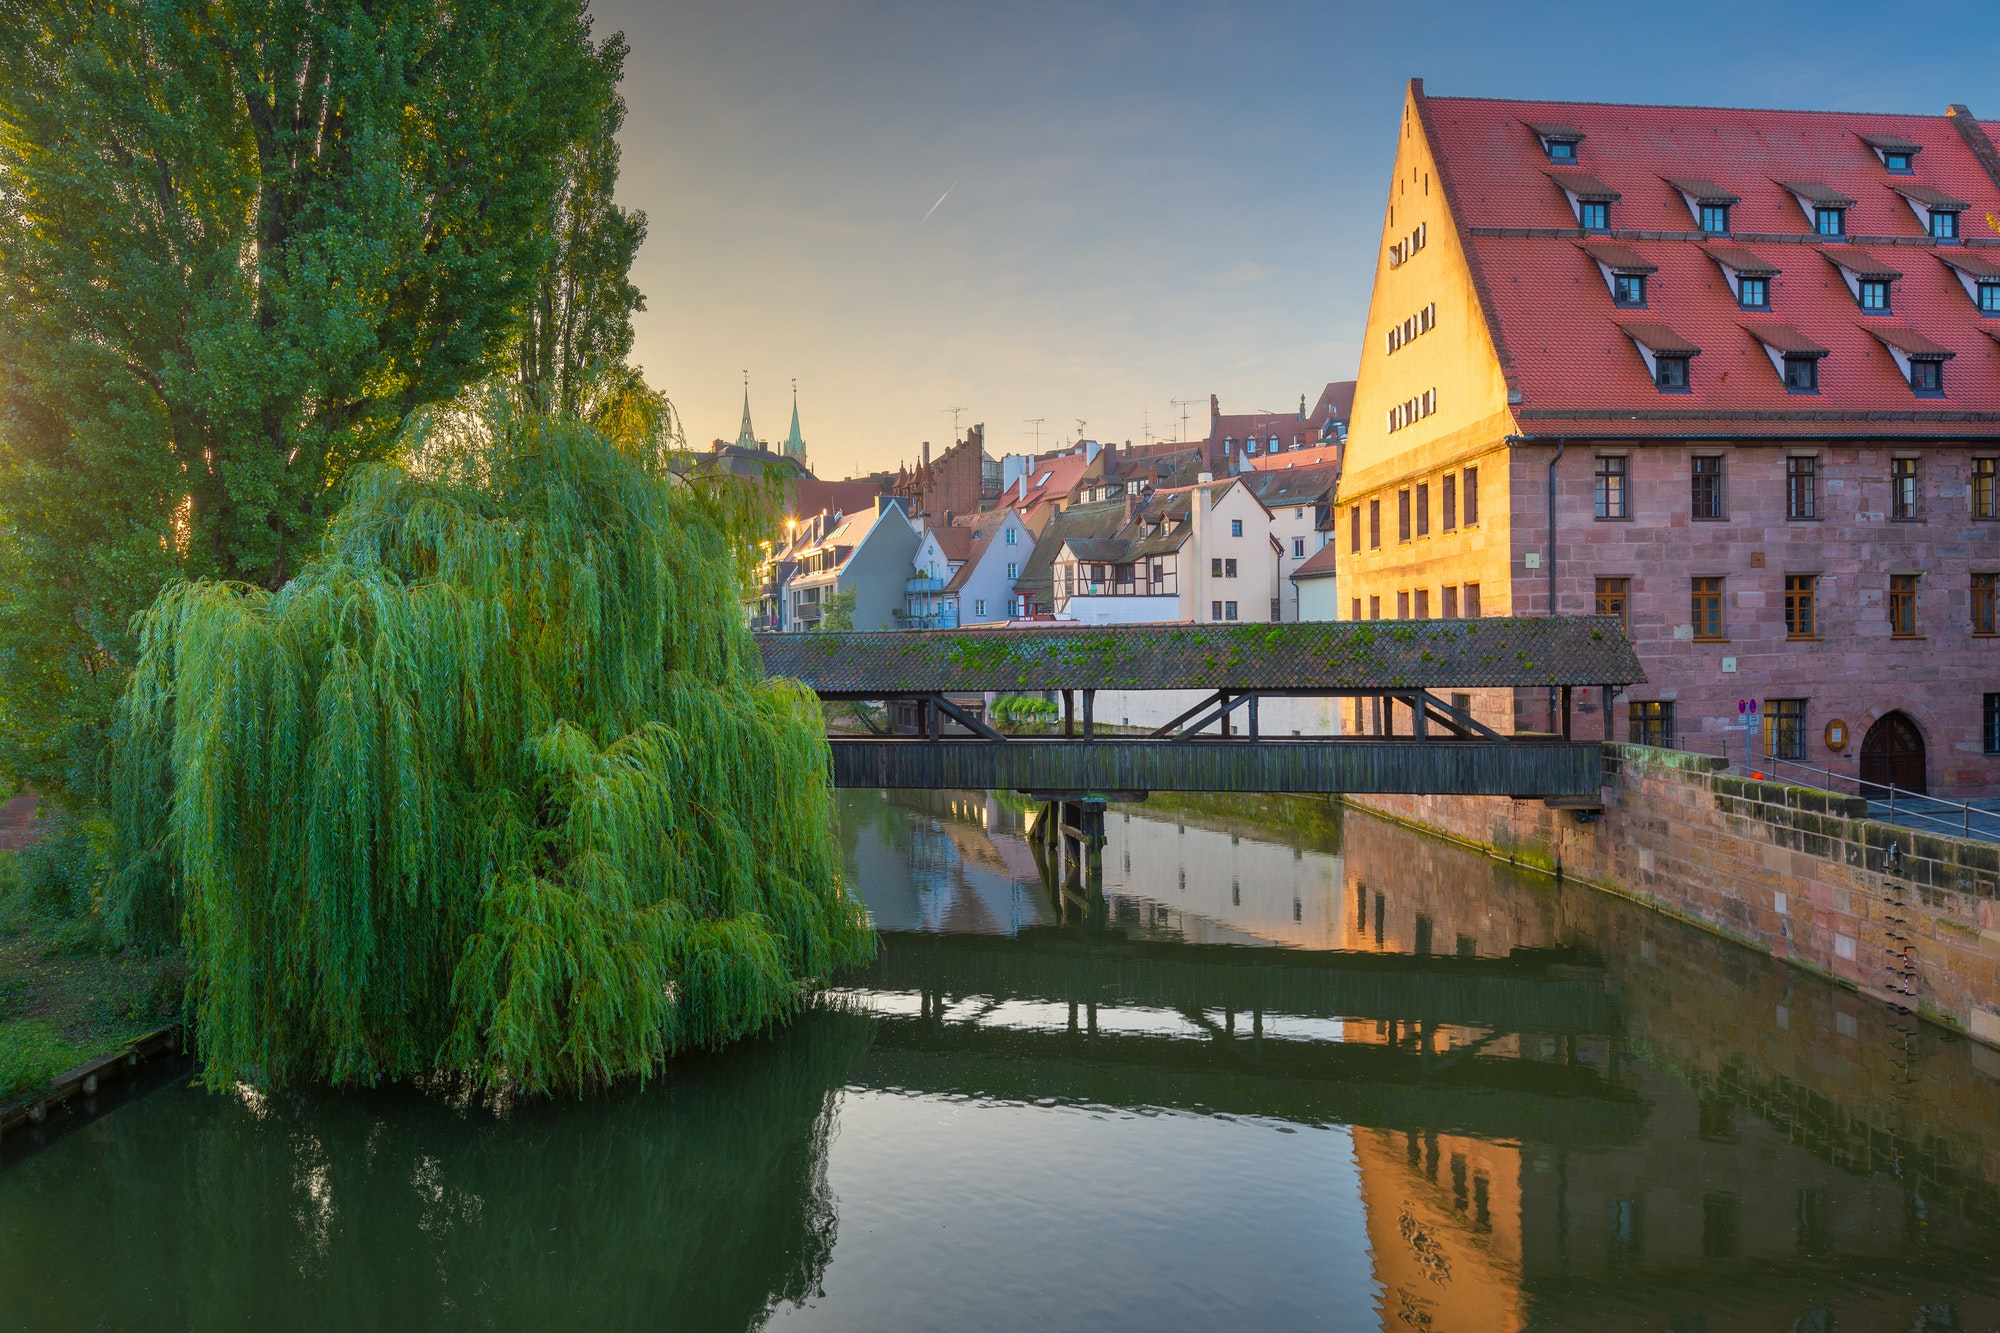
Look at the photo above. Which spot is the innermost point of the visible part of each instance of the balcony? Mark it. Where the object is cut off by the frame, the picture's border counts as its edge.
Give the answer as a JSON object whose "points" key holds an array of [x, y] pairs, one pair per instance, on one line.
{"points": [[923, 583]]}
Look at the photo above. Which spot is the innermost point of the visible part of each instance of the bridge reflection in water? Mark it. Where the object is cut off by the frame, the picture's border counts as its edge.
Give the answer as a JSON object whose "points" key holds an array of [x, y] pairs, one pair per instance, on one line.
{"points": [[1565, 1111], [1315, 1071]]}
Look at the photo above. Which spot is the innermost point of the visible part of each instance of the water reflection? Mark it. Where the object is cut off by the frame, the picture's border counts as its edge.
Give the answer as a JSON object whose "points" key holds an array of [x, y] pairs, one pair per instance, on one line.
{"points": [[1296, 1071]]}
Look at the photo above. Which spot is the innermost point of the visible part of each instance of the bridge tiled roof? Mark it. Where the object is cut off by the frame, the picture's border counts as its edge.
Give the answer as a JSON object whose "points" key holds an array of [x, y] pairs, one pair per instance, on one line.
{"points": [[1322, 655]]}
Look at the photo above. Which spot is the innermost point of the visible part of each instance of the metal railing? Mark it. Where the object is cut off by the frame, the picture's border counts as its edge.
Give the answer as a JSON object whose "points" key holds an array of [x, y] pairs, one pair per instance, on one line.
{"points": [[1932, 810]]}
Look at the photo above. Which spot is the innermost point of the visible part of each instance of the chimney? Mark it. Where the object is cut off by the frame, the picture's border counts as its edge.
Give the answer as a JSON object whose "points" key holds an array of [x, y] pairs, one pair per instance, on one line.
{"points": [[1131, 507], [1204, 478], [927, 453], [1214, 413]]}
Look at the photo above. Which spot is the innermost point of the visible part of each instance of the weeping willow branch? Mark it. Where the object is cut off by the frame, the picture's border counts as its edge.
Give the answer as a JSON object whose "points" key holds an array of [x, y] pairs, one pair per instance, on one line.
{"points": [[495, 785]]}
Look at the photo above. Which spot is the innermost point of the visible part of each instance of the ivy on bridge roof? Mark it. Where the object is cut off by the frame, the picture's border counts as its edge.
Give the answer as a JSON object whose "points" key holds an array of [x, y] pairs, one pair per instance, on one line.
{"points": [[1368, 656]]}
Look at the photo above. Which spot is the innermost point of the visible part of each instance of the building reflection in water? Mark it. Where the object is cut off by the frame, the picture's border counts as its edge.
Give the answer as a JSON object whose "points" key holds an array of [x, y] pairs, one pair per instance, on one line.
{"points": [[1566, 1112]]}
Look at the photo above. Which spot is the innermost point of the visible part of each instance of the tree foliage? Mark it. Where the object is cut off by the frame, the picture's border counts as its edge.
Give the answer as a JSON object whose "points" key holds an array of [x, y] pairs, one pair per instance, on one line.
{"points": [[494, 784], [239, 245]]}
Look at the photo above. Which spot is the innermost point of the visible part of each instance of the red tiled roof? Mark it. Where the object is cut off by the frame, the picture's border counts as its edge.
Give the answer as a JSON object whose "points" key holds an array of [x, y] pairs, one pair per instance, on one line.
{"points": [[810, 495], [954, 541], [1049, 479], [1319, 565], [1582, 184], [1657, 337], [1979, 265], [1819, 194], [1335, 400], [1860, 263], [1553, 317], [1703, 190], [1296, 458], [1618, 258], [1929, 197], [1910, 342]]}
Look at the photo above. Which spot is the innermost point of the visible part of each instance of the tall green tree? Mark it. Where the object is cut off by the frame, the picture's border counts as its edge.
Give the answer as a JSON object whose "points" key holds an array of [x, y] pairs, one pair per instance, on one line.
{"points": [[239, 244]]}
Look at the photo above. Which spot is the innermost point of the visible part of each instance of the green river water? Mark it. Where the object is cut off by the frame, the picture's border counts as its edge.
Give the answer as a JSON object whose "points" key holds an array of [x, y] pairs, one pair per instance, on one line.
{"points": [[1286, 1071]]}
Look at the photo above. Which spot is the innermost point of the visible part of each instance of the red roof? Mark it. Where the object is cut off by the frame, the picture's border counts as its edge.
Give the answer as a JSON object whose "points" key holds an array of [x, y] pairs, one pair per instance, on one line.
{"points": [[1554, 315], [1049, 479], [954, 541], [810, 495], [1320, 565]]}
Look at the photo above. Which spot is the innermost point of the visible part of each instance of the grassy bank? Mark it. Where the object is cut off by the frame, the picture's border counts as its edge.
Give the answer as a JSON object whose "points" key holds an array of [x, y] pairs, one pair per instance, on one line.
{"points": [[66, 994]]}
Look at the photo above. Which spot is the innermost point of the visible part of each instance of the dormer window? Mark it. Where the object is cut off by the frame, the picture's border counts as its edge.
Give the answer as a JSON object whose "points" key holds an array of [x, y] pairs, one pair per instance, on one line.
{"points": [[1898, 162], [1830, 221], [1753, 293], [1628, 290], [1593, 215], [1944, 226], [1801, 374], [1927, 378], [1874, 296], [1671, 374], [1989, 298], [1919, 358], [1715, 219], [1665, 353], [1559, 142], [1897, 154]]}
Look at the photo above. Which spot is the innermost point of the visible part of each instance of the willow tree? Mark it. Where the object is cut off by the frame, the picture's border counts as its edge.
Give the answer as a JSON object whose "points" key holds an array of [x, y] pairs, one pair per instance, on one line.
{"points": [[493, 785]]}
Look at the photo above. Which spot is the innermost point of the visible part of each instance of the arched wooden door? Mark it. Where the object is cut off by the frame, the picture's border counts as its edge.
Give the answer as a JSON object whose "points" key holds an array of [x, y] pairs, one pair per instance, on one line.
{"points": [[1892, 752]]}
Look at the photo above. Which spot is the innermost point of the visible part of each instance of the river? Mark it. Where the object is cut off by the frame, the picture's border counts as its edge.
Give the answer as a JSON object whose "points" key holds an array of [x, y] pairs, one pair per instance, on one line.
{"points": [[1288, 1070]]}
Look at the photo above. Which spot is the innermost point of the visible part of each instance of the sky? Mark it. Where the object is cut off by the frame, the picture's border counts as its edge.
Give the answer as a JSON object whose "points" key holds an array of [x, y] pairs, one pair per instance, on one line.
{"points": [[1139, 203]]}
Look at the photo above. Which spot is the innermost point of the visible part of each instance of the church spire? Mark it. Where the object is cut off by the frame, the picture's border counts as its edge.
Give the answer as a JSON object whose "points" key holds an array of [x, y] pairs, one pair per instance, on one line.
{"points": [[795, 447], [746, 438]]}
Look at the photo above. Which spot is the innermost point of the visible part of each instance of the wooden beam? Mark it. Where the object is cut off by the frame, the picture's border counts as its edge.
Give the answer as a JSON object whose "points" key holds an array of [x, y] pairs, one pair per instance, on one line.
{"points": [[968, 721], [1168, 730], [1225, 704]]}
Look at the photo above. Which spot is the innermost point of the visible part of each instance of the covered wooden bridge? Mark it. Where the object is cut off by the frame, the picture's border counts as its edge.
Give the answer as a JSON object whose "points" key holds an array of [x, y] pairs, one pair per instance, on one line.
{"points": [[1217, 745]]}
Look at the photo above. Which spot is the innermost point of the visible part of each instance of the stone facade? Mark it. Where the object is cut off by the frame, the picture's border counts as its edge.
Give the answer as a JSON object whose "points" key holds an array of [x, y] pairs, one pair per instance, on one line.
{"points": [[1800, 874]]}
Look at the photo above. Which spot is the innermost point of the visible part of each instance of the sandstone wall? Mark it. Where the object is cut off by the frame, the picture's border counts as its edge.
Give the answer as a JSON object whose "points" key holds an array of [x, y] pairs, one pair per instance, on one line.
{"points": [[1800, 874]]}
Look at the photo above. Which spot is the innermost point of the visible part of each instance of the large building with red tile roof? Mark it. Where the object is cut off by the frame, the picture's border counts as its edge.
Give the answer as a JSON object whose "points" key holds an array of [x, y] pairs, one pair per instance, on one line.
{"points": [[1732, 375]]}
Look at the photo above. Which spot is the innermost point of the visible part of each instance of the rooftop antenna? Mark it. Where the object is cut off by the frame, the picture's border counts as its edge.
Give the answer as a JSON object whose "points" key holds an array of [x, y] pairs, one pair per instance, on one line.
{"points": [[954, 421], [1036, 422], [1146, 424], [1079, 429], [1184, 404]]}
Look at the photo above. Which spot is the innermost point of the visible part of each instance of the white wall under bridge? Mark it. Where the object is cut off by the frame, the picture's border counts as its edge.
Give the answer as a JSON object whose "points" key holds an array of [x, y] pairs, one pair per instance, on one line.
{"points": [[1148, 709]]}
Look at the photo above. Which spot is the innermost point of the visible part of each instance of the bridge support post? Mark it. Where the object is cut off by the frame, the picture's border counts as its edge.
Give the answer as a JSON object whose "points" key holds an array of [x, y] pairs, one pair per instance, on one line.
{"points": [[1089, 715]]}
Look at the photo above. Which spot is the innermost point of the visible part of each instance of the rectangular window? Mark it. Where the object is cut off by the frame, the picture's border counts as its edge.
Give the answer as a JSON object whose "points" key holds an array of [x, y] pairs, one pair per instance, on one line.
{"points": [[1374, 525], [1706, 486], [1874, 296], [1670, 374], [1944, 226], [979, 606], [1753, 293], [1215, 610], [1927, 379], [1236, 527], [1628, 290], [1982, 604], [1354, 530], [1801, 374], [1450, 608], [1983, 476], [1423, 509], [1355, 614], [1215, 567], [1801, 620], [1651, 723], [1715, 219], [1229, 610], [1013, 570], [1903, 489], [1903, 606], [1706, 608], [1470, 499], [1298, 548], [1989, 298], [1374, 608], [1229, 569], [1830, 221], [1785, 728], [1801, 487], [1423, 604], [1011, 535], [1402, 606], [1448, 502], [1611, 486], [1993, 724], [1471, 600], [1612, 595], [1402, 516], [1593, 215]]}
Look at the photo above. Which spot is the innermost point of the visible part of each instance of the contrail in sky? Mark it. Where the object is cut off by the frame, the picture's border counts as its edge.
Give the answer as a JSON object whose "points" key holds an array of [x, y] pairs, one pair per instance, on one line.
{"points": [[934, 207]]}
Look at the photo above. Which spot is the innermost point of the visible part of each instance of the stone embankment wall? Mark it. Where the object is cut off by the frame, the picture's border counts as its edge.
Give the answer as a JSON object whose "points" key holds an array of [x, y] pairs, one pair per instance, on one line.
{"points": [[1803, 875]]}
